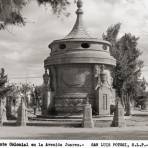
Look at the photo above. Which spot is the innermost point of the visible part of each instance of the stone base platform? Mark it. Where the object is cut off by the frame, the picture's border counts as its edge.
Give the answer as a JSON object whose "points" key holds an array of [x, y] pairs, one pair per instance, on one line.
{"points": [[102, 121], [59, 117], [144, 110], [49, 123], [62, 121]]}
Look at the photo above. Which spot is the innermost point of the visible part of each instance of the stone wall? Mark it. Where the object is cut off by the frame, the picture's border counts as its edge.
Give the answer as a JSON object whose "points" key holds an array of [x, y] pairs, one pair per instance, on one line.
{"points": [[74, 83], [74, 78]]}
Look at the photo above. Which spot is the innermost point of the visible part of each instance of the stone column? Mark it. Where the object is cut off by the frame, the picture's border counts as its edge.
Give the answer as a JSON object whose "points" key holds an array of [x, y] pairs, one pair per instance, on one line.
{"points": [[22, 114], [118, 119], [87, 116]]}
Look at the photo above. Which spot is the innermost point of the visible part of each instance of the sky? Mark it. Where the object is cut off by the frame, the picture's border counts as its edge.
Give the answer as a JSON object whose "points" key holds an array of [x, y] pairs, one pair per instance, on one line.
{"points": [[23, 49]]}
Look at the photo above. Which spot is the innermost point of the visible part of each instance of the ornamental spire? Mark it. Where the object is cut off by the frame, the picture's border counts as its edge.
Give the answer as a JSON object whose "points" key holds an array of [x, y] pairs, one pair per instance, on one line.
{"points": [[79, 5], [78, 30]]}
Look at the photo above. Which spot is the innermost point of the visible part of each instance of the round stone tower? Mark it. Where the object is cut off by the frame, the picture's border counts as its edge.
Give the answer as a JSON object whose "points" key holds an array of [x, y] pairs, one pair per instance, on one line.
{"points": [[74, 68]]}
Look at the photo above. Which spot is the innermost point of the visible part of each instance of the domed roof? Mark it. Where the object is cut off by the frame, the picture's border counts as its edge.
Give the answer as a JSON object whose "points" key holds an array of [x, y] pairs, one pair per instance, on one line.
{"points": [[79, 47], [78, 32]]}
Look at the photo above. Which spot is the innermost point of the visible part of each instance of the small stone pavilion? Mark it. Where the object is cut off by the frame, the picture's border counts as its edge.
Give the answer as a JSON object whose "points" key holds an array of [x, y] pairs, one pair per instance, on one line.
{"points": [[78, 67]]}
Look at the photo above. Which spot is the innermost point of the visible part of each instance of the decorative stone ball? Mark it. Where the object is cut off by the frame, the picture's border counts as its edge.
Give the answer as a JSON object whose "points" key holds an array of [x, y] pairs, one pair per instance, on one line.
{"points": [[79, 3]]}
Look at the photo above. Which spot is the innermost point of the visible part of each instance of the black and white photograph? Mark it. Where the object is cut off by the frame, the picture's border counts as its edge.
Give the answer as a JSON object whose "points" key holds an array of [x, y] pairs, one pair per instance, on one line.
{"points": [[74, 70]]}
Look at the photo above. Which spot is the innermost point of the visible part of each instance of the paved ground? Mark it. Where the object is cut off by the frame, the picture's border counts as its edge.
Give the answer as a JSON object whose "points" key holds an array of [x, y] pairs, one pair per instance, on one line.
{"points": [[137, 129], [140, 133]]}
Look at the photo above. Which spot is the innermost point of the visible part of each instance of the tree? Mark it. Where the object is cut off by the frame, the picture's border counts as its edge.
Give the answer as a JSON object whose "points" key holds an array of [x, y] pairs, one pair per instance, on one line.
{"points": [[12, 100], [111, 36], [3, 80], [141, 92], [24, 90], [127, 72], [3, 91], [10, 10], [129, 64], [57, 6]]}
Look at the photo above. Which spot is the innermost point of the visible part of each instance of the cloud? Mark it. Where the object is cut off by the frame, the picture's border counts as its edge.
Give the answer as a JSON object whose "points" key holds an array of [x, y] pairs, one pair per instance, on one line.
{"points": [[23, 49]]}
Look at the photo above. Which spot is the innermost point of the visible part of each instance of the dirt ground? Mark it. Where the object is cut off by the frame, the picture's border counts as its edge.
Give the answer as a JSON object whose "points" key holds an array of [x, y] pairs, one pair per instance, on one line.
{"points": [[137, 129], [50, 133]]}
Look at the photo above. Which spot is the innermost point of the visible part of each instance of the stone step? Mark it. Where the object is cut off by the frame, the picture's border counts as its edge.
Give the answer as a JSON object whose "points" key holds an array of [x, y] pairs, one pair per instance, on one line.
{"points": [[56, 120], [77, 122], [40, 117], [59, 117], [137, 121], [10, 123], [61, 124], [102, 123], [56, 123], [48, 119]]}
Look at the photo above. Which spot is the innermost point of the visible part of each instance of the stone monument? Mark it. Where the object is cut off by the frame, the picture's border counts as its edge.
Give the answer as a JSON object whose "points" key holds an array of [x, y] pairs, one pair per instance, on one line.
{"points": [[87, 115], [118, 120], [22, 114], [145, 104], [71, 64], [103, 92]]}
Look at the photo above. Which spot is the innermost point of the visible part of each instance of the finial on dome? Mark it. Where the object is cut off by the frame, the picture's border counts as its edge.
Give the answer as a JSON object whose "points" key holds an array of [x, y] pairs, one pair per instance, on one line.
{"points": [[78, 30], [79, 3]]}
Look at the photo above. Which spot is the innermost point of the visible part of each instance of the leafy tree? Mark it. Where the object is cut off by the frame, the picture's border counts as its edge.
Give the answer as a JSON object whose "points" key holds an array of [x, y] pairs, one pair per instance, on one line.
{"points": [[24, 90], [3, 93], [10, 10], [129, 64], [111, 36], [3, 81], [141, 92], [12, 101], [57, 6], [127, 72]]}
